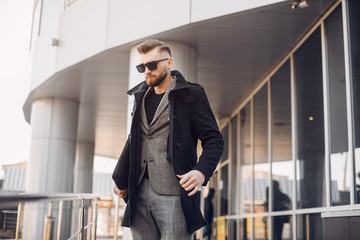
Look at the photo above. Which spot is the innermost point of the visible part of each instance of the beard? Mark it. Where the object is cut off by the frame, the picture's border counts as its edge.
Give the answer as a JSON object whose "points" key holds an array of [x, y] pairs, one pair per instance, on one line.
{"points": [[155, 82]]}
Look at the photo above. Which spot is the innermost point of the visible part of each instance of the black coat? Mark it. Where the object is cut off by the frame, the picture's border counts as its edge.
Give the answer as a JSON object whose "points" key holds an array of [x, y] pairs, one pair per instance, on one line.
{"points": [[190, 119]]}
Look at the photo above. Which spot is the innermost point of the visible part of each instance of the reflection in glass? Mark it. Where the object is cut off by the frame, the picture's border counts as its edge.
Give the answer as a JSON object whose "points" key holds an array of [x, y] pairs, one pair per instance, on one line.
{"points": [[245, 150], [224, 190], [213, 183], [282, 163], [340, 164], [261, 160], [354, 17], [233, 225], [233, 166], [261, 225], [309, 226], [225, 134], [246, 228], [282, 227], [310, 123]]}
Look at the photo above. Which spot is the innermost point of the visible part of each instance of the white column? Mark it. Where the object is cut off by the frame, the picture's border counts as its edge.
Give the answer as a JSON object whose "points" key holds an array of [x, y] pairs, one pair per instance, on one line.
{"points": [[51, 163], [83, 171]]}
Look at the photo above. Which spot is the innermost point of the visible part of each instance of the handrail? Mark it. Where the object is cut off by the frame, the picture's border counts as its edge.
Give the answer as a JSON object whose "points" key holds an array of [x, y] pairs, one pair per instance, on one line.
{"points": [[6, 197], [21, 198]]}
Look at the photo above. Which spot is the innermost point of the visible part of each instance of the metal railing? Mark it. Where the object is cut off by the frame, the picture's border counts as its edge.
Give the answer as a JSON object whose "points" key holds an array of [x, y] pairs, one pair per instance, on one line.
{"points": [[49, 224]]}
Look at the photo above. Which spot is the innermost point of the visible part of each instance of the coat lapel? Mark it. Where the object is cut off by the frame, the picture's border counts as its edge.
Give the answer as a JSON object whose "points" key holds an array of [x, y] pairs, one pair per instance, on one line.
{"points": [[138, 93], [144, 120]]}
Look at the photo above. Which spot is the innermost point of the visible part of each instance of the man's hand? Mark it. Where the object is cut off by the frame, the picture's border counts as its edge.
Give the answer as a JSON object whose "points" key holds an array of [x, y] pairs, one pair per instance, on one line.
{"points": [[192, 180], [121, 193]]}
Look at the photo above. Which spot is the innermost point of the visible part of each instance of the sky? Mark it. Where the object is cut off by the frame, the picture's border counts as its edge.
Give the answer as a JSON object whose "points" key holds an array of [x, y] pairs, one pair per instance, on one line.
{"points": [[15, 26], [15, 132]]}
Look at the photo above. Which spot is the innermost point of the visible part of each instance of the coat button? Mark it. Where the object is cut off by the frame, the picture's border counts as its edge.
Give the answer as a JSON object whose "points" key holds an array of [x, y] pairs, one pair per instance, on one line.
{"points": [[149, 137], [144, 161], [178, 144]]}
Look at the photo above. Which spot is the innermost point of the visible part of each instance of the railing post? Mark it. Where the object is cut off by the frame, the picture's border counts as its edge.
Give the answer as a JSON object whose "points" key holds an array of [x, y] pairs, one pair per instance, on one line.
{"points": [[93, 235], [49, 224], [59, 220], [116, 217], [89, 217], [82, 220], [18, 217]]}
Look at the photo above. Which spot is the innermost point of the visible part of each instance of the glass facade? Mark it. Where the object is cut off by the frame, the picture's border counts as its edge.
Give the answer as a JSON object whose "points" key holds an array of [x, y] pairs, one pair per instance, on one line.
{"points": [[289, 147], [339, 161], [309, 226], [245, 161], [234, 163], [354, 22], [310, 123], [224, 199], [261, 159], [261, 228], [281, 134]]}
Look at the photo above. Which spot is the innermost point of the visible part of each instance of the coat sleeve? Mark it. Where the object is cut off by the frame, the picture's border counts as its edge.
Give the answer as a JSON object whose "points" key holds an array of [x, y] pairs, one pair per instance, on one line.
{"points": [[121, 171], [206, 129]]}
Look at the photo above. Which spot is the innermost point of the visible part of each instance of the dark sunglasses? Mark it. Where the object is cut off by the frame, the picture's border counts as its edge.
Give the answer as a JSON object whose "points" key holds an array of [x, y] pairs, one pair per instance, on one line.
{"points": [[150, 65]]}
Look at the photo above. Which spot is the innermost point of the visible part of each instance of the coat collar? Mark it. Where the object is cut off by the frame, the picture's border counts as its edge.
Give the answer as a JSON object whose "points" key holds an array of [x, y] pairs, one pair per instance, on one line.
{"points": [[161, 107], [181, 84]]}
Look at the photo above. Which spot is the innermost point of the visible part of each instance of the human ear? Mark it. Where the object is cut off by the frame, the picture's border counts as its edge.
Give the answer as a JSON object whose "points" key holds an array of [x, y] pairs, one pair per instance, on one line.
{"points": [[170, 63]]}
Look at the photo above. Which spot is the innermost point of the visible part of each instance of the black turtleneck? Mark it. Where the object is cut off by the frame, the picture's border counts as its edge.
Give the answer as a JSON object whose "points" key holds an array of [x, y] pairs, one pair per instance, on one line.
{"points": [[152, 101]]}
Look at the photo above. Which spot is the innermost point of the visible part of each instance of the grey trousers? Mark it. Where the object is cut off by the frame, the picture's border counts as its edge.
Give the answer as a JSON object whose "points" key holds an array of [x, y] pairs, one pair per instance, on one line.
{"points": [[158, 216]]}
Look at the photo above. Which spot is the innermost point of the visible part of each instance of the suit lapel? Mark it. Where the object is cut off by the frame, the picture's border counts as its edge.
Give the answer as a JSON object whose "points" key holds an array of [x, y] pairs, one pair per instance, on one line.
{"points": [[164, 102]]}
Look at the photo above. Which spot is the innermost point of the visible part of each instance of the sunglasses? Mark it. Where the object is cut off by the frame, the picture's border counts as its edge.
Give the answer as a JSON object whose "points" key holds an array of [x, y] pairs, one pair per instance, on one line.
{"points": [[150, 65]]}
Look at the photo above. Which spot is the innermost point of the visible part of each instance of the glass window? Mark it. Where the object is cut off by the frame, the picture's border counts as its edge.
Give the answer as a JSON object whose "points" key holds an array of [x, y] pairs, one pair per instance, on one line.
{"points": [[246, 228], [354, 17], [245, 154], [310, 123], [233, 166], [309, 226], [214, 184], [261, 225], [223, 186], [261, 159], [233, 225], [340, 164], [282, 164], [282, 227], [225, 134]]}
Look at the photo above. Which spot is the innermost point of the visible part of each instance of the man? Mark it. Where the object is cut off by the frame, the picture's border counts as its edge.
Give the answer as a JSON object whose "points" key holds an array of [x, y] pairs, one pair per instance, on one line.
{"points": [[281, 202], [157, 173]]}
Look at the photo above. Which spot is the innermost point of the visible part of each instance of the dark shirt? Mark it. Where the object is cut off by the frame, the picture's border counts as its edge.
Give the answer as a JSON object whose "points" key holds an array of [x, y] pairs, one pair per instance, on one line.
{"points": [[151, 103]]}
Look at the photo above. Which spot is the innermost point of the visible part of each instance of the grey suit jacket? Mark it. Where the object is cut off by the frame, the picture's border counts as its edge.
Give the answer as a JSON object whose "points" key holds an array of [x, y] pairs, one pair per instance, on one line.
{"points": [[154, 138]]}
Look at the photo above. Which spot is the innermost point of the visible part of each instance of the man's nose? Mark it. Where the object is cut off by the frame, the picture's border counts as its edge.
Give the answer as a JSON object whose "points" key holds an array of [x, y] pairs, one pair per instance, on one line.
{"points": [[147, 70]]}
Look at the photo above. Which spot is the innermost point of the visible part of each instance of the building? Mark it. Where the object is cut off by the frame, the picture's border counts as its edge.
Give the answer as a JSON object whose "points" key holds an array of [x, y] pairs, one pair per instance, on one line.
{"points": [[281, 76]]}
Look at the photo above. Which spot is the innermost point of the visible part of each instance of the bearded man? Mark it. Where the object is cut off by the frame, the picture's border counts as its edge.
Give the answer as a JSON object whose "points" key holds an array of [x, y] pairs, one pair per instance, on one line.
{"points": [[158, 173]]}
